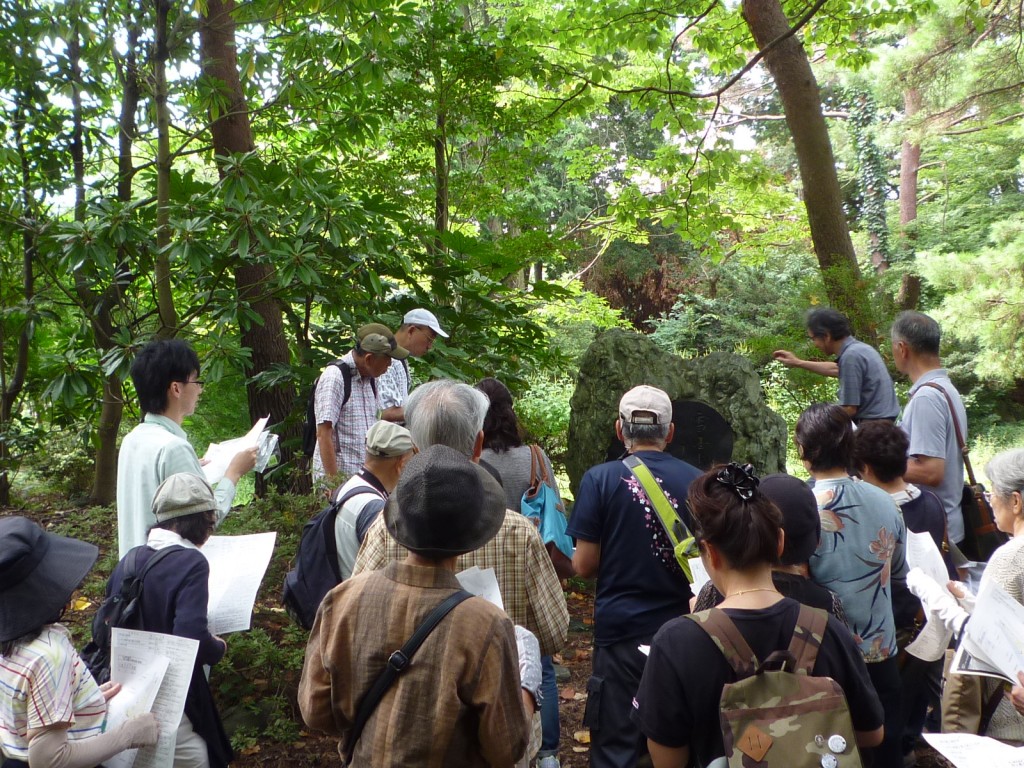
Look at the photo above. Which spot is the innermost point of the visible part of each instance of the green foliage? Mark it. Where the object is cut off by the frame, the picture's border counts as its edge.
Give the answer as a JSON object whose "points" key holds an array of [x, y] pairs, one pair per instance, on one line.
{"points": [[543, 412], [984, 292]]}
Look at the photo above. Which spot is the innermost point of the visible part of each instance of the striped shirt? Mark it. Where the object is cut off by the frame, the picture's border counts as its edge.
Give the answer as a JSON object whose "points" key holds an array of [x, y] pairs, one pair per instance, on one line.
{"points": [[529, 587], [43, 683]]}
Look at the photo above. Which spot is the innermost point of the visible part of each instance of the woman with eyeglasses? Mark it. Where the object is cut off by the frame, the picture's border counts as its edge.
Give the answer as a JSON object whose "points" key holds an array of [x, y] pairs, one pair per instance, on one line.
{"points": [[740, 536], [861, 558]]}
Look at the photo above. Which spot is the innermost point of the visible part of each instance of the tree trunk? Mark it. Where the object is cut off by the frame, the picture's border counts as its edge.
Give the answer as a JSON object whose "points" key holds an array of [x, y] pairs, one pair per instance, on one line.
{"points": [[910, 161], [791, 70], [232, 134], [162, 267], [13, 385]]}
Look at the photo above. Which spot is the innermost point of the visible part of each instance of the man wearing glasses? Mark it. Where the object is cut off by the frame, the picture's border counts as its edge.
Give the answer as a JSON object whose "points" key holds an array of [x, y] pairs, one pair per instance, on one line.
{"points": [[866, 391], [418, 332], [166, 378]]}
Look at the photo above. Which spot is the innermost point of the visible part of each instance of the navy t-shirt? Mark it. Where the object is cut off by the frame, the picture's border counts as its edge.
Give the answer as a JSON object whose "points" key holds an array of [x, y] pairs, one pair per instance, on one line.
{"points": [[677, 702], [639, 587]]}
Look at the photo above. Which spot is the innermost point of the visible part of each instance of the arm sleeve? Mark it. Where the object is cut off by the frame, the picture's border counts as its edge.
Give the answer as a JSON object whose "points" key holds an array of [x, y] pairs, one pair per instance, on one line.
{"points": [[388, 389], [314, 697], [372, 556], [851, 380], [190, 608], [546, 601], [840, 659], [931, 420], [51, 748], [504, 727], [329, 395], [585, 522], [182, 457], [661, 709]]}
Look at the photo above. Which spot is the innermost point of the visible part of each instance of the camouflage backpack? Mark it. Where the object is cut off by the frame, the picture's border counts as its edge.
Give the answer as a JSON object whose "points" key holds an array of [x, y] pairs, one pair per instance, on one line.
{"points": [[777, 714]]}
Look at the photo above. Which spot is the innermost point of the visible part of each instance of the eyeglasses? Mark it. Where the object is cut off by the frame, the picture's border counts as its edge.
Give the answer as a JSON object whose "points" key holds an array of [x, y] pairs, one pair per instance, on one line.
{"points": [[431, 331], [200, 382]]}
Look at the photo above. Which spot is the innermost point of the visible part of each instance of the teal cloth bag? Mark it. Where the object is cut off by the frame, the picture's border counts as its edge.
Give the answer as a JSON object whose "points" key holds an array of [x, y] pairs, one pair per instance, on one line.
{"points": [[541, 504]]}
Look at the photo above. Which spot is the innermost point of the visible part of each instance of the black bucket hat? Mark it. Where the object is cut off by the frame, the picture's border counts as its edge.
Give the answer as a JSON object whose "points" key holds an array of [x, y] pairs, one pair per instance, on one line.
{"points": [[800, 519], [444, 505], [38, 573]]}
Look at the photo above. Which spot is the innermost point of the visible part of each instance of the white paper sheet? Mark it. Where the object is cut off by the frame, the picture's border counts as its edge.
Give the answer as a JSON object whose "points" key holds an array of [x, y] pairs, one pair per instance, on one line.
{"points": [[130, 648], [219, 455], [237, 567], [922, 553], [140, 678], [966, 663], [995, 632], [965, 750], [699, 573], [482, 582]]}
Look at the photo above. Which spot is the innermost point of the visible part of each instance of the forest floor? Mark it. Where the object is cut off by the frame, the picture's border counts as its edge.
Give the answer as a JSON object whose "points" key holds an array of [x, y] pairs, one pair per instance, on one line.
{"points": [[263, 745]]}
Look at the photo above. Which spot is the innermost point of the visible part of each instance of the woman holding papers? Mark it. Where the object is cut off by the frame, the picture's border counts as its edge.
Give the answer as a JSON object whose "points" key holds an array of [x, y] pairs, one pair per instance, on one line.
{"points": [[175, 603], [973, 704], [52, 712]]}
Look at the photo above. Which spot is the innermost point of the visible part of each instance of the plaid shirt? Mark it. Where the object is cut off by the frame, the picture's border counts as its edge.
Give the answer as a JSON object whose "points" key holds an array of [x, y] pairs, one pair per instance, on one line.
{"points": [[393, 385], [351, 423], [529, 587], [458, 703]]}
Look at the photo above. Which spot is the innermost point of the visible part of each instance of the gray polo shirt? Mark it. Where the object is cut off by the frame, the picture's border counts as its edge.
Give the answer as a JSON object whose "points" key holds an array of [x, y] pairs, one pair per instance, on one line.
{"points": [[929, 425], [864, 381]]}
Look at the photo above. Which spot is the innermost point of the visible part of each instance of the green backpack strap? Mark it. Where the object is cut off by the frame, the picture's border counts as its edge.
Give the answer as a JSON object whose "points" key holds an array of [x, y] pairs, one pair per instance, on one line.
{"points": [[807, 637], [727, 636], [684, 545]]}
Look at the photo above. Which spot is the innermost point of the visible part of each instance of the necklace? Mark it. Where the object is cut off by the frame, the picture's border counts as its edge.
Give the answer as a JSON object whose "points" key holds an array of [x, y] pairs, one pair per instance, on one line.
{"points": [[755, 589]]}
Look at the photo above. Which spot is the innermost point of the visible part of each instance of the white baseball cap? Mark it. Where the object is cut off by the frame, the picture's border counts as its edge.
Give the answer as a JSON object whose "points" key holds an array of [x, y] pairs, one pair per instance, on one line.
{"points": [[424, 317], [645, 405]]}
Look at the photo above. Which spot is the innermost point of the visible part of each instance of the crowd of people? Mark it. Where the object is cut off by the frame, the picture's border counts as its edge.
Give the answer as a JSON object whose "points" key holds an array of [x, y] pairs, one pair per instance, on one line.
{"points": [[406, 668]]}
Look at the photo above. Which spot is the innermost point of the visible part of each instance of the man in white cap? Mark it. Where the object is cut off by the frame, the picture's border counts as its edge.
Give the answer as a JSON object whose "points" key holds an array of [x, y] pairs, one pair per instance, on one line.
{"points": [[640, 586], [388, 448], [417, 334]]}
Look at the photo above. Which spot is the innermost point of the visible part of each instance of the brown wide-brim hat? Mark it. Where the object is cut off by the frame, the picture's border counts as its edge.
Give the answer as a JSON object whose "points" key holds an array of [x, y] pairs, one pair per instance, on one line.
{"points": [[39, 571], [444, 505]]}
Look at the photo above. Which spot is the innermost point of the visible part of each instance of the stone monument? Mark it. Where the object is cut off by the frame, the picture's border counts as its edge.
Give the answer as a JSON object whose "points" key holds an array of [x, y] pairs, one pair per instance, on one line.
{"points": [[717, 405]]}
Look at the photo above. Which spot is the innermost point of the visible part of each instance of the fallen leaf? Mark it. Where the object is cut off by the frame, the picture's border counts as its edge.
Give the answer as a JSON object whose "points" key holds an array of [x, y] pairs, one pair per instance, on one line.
{"points": [[251, 750], [588, 621], [80, 604], [583, 737], [580, 750], [567, 693], [580, 697]]}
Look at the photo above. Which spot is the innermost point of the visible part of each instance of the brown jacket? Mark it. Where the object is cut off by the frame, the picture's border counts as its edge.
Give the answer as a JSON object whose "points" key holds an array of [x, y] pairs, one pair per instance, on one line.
{"points": [[459, 701]]}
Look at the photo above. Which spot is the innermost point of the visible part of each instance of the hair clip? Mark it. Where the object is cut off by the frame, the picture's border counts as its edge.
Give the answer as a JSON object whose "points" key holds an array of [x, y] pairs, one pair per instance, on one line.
{"points": [[739, 477]]}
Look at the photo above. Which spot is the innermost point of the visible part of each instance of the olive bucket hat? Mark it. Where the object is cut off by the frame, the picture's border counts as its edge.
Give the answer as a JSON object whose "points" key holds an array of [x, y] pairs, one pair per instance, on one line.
{"points": [[38, 573], [444, 505]]}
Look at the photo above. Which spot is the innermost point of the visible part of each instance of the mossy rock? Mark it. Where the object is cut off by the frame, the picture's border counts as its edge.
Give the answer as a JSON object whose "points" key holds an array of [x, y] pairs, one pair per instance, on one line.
{"points": [[619, 360]]}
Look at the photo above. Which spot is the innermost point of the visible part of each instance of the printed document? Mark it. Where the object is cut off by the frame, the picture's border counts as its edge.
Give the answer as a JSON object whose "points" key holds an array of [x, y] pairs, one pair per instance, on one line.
{"points": [[130, 651], [237, 567], [481, 582], [219, 455], [965, 750], [995, 632]]}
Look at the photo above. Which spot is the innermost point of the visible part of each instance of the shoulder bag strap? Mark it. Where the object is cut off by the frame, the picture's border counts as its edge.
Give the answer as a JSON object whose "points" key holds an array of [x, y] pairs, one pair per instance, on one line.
{"points": [[538, 459], [674, 526], [159, 555], [398, 662], [956, 426], [807, 636], [730, 641]]}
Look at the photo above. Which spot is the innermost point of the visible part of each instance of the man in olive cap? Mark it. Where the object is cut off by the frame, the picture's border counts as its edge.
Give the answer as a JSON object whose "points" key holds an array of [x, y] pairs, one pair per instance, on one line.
{"points": [[458, 702], [344, 411], [388, 447]]}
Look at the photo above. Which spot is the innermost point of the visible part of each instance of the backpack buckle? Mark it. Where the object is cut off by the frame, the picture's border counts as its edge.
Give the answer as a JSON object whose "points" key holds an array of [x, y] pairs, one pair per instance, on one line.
{"points": [[398, 661]]}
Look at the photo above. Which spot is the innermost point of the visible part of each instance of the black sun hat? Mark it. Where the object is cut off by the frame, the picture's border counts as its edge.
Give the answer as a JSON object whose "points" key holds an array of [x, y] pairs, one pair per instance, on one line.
{"points": [[38, 573], [444, 505]]}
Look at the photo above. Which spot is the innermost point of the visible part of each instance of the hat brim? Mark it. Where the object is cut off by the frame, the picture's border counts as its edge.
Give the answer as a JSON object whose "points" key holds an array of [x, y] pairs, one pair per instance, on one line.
{"points": [[39, 598], [475, 531], [398, 353]]}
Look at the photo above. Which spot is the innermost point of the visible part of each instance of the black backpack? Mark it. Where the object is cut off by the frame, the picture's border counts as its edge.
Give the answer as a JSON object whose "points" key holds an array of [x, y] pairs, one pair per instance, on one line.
{"points": [[123, 610], [309, 428], [316, 563]]}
